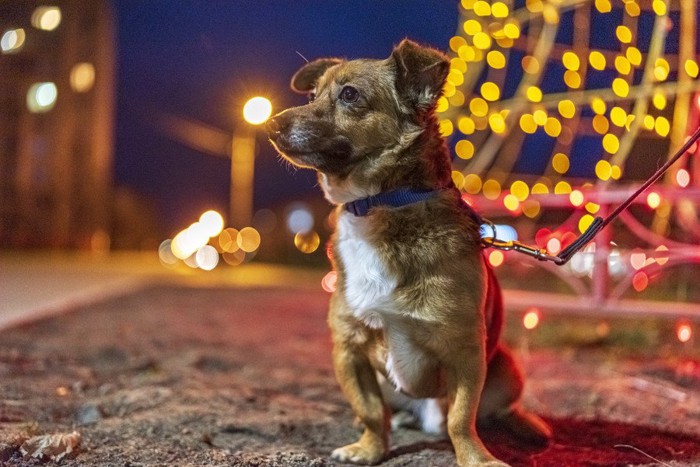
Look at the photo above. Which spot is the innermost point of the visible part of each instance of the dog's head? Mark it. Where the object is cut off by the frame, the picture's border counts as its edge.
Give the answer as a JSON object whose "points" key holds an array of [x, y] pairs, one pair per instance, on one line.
{"points": [[362, 116]]}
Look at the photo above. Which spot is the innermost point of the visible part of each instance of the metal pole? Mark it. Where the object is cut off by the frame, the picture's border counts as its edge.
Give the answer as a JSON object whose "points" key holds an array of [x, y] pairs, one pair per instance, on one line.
{"points": [[242, 171]]}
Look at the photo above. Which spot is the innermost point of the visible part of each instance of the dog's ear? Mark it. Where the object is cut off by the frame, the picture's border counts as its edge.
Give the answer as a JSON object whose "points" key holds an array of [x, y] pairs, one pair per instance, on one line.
{"points": [[305, 79], [420, 73]]}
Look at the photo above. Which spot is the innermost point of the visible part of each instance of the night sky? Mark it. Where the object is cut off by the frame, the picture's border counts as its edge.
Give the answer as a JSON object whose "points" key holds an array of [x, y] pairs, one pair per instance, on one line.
{"points": [[203, 59]]}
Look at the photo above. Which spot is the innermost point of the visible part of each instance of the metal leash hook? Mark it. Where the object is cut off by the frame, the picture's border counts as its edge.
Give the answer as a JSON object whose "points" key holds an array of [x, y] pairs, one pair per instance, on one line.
{"points": [[540, 254]]}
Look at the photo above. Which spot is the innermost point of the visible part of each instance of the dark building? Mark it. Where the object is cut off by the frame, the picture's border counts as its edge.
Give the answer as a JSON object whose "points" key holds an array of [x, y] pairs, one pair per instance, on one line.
{"points": [[56, 123]]}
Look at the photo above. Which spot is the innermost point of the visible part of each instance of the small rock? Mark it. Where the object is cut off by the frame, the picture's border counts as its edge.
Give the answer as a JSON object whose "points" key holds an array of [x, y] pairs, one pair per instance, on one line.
{"points": [[88, 414]]}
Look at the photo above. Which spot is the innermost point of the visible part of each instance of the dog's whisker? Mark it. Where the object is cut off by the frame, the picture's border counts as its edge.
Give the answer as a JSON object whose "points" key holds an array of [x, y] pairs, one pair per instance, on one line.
{"points": [[305, 59]]}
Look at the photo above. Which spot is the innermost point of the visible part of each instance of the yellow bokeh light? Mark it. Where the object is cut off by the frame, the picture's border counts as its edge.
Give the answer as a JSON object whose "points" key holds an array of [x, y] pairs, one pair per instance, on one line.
{"points": [[482, 41], [611, 143], [603, 6], [455, 77], [660, 73], [571, 61], [603, 170], [82, 77], [659, 101], [499, 10], [572, 79], [466, 53], [458, 64], [464, 149], [618, 116], [467, 4], [691, 68], [597, 60], [490, 91], [662, 126], [659, 7], [620, 87], [456, 42], [497, 123], [481, 8], [560, 163], [622, 65], [648, 122], [540, 117], [248, 239], [552, 127], [562, 188], [257, 110], [585, 222], [623, 34], [598, 105], [307, 242], [442, 104], [534, 94], [472, 26], [511, 202], [466, 125], [592, 207], [491, 189], [601, 125], [446, 127], [632, 9], [566, 108], [634, 56], [534, 6], [527, 123], [539, 188], [41, 97], [472, 184], [520, 190], [511, 30], [479, 107], [496, 59], [653, 200]]}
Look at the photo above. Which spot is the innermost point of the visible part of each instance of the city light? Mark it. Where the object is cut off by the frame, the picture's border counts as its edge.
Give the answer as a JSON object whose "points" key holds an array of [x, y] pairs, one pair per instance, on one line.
{"points": [[257, 110], [46, 18], [12, 40], [82, 77], [531, 318], [41, 97]]}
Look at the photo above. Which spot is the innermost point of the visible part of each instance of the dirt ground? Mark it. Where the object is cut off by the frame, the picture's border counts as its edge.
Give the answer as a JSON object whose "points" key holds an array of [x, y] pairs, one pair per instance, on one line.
{"points": [[176, 376]]}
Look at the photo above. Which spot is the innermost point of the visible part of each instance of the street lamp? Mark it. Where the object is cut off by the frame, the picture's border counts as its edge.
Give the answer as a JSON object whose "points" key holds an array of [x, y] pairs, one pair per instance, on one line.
{"points": [[256, 112]]}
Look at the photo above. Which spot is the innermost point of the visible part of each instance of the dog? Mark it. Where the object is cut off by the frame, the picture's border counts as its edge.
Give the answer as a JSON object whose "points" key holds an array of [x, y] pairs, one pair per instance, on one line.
{"points": [[416, 314]]}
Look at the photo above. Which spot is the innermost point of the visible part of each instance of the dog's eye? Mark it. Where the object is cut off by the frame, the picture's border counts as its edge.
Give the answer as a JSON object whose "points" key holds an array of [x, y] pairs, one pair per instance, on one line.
{"points": [[349, 94], [312, 96]]}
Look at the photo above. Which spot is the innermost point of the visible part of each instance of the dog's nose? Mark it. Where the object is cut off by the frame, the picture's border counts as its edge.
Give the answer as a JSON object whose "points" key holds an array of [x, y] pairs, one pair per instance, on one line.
{"points": [[274, 126]]}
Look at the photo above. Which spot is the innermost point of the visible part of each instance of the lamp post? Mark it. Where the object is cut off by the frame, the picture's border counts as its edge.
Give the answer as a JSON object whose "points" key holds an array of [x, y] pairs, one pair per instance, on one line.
{"points": [[255, 112]]}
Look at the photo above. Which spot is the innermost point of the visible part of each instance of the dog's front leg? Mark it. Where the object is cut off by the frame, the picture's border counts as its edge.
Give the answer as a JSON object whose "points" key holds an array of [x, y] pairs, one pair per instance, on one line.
{"points": [[358, 380], [466, 376], [359, 383]]}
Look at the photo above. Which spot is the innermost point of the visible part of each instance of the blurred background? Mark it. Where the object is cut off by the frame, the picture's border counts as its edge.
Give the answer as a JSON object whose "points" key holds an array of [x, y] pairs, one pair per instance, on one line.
{"points": [[122, 128]]}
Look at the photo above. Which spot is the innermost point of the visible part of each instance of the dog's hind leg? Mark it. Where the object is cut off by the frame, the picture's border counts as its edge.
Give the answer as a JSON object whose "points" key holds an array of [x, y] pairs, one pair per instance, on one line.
{"points": [[465, 379], [500, 401]]}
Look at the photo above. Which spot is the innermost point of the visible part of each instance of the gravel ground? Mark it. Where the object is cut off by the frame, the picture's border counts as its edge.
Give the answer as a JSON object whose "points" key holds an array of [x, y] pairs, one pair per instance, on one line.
{"points": [[242, 377]]}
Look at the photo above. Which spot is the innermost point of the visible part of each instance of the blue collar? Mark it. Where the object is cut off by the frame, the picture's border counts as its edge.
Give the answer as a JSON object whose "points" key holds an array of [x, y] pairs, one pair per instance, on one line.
{"points": [[394, 198]]}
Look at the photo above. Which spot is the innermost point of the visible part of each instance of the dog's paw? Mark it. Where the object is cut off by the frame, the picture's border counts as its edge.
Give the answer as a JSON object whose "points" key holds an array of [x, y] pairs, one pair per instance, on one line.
{"points": [[358, 454]]}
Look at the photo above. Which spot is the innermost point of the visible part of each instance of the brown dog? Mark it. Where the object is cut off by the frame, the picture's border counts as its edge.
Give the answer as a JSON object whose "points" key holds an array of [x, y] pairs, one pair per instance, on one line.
{"points": [[416, 314]]}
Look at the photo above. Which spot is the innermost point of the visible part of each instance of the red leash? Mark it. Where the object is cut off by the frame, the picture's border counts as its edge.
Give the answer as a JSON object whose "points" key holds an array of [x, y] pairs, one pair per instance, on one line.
{"points": [[598, 223]]}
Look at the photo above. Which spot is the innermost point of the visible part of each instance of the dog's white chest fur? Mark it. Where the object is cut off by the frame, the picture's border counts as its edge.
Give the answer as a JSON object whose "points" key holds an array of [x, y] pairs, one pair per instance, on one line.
{"points": [[368, 283]]}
